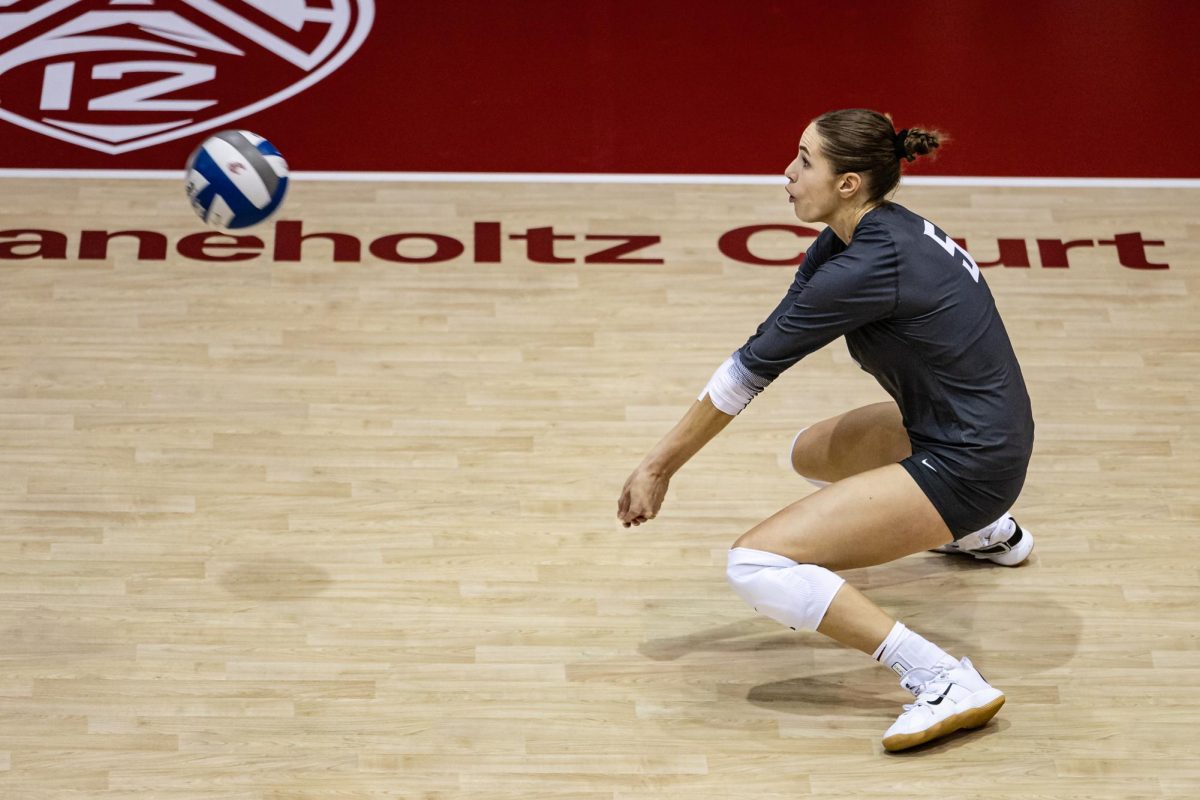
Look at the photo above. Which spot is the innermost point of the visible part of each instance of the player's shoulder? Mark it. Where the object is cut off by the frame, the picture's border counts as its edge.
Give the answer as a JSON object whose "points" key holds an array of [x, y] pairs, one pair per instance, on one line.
{"points": [[896, 227], [827, 243], [890, 219], [883, 232], [824, 247]]}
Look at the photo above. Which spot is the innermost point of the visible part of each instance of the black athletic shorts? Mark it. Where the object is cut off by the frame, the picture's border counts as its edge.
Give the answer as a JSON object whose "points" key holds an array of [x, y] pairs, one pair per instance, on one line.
{"points": [[966, 504]]}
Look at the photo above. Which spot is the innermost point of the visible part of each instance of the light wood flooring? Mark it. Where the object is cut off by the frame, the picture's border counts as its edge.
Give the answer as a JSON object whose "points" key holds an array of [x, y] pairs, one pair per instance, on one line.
{"points": [[330, 531]]}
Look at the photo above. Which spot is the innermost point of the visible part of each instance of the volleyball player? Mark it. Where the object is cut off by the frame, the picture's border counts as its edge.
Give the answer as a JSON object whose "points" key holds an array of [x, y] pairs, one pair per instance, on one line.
{"points": [[938, 468]]}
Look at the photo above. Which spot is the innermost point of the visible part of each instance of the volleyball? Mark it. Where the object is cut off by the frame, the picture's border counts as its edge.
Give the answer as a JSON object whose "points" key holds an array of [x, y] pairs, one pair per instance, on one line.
{"points": [[236, 179]]}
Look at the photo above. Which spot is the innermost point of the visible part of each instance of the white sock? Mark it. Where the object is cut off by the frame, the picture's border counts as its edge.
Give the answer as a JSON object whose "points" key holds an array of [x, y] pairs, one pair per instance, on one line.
{"points": [[903, 650]]}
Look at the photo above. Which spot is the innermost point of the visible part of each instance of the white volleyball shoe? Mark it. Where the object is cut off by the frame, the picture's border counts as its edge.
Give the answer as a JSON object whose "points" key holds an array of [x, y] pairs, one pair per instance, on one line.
{"points": [[949, 698], [1009, 546]]}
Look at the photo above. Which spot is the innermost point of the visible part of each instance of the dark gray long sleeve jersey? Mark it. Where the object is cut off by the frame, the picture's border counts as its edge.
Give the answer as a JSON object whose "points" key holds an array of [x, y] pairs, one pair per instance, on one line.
{"points": [[919, 317]]}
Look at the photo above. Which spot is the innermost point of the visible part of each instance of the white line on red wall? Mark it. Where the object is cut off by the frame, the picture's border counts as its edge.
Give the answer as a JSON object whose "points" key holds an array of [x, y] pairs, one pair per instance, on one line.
{"points": [[557, 177]]}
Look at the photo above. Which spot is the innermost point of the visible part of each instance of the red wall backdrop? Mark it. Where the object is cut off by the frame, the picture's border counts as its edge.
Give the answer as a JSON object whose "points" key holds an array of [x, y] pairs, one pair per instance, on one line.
{"points": [[1105, 88]]}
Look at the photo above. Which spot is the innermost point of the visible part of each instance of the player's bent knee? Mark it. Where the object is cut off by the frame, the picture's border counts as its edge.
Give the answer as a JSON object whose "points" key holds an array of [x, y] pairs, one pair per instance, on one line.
{"points": [[796, 457], [797, 595]]}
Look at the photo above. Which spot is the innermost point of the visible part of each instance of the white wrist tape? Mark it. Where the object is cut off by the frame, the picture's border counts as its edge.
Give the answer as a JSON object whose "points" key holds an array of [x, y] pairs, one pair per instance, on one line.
{"points": [[732, 387]]}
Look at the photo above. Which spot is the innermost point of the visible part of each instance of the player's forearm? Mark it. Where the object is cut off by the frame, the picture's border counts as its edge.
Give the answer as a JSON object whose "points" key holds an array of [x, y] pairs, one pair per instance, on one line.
{"points": [[699, 425]]}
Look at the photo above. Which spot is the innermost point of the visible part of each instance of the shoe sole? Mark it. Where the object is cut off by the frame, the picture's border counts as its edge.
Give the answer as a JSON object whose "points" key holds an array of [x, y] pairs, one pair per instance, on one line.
{"points": [[971, 718]]}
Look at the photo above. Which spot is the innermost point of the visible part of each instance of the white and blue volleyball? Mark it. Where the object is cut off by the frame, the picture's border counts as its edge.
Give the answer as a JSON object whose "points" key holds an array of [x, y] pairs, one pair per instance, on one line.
{"points": [[236, 179]]}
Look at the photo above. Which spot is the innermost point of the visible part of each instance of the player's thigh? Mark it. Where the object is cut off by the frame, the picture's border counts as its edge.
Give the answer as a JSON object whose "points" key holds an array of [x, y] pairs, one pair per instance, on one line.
{"points": [[850, 443], [871, 518]]}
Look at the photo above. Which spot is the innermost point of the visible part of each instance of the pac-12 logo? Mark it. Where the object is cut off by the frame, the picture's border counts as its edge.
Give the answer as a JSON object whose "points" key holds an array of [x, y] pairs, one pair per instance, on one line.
{"points": [[120, 75]]}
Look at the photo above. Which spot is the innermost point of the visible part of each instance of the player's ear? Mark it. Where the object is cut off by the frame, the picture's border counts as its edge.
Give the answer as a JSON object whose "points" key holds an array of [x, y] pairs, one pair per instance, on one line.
{"points": [[848, 184]]}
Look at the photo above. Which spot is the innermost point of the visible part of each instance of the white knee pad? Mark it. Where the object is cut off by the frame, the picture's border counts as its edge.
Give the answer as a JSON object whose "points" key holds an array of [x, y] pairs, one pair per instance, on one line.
{"points": [[798, 595], [792, 462]]}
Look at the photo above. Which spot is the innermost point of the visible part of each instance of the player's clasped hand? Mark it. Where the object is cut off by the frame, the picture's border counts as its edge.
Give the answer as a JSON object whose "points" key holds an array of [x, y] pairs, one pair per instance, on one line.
{"points": [[642, 497]]}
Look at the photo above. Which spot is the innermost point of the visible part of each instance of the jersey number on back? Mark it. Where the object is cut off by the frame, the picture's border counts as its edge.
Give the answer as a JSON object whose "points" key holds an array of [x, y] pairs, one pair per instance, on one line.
{"points": [[951, 247]]}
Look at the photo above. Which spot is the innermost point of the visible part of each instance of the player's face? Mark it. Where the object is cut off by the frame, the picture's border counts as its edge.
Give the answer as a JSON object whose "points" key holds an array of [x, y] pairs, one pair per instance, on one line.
{"points": [[811, 180]]}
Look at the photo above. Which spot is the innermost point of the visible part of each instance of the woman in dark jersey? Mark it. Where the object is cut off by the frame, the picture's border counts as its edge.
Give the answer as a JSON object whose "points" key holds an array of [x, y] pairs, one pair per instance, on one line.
{"points": [[938, 468]]}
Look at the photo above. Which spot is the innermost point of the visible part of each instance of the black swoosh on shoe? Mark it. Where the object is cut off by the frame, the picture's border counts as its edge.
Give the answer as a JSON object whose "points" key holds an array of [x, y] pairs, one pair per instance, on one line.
{"points": [[943, 696]]}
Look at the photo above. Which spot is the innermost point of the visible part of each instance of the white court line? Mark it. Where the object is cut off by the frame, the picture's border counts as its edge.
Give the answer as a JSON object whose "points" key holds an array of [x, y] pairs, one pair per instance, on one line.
{"points": [[560, 177]]}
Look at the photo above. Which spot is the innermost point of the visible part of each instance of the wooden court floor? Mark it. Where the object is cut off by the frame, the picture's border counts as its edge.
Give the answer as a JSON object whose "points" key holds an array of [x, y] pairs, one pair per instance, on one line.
{"points": [[319, 531]]}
